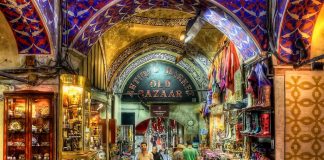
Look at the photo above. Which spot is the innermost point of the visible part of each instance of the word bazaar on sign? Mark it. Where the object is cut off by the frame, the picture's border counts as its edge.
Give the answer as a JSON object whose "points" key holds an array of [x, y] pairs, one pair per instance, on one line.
{"points": [[160, 82]]}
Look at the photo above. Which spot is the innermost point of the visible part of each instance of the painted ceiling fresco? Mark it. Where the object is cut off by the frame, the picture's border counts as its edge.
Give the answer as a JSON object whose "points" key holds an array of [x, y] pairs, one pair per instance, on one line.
{"points": [[233, 31], [27, 26], [298, 23], [48, 12], [84, 32], [279, 11], [33, 21]]}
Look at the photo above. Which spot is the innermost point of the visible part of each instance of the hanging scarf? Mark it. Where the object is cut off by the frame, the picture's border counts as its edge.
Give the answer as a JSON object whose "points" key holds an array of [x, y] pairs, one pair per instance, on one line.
{"points": [[232, 65]]}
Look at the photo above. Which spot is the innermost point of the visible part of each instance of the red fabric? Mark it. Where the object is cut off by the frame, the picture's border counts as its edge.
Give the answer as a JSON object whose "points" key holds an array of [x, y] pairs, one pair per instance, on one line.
{"points": [[232, 65], [142, 127]]}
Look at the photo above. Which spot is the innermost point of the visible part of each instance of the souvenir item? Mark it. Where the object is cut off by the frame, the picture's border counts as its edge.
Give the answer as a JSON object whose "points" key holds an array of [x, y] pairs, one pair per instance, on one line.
{"points": [[15, 126], [45, 111]]}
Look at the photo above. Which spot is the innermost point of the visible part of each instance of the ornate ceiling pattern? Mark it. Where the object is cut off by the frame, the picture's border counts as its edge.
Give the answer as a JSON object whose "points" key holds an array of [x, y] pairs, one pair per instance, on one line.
{"points": [[84, 32], [199, 79], [278, 15], [298, 23], [233, 31], [27, 26], [199, 63], [46, 8], [157, 21]]}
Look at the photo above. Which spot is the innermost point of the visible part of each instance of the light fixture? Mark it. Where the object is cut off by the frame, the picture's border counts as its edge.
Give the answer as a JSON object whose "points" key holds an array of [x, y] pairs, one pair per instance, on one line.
{"points": [[183, 36], [100, 106]]}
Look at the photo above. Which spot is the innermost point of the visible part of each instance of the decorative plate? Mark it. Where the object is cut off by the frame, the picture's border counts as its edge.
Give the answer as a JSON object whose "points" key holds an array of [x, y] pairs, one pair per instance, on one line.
{"points": [[15, 125], [45, 111]]}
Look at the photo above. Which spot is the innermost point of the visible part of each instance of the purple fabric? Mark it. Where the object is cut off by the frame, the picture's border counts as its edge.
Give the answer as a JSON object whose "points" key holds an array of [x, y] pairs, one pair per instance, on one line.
{"points": [[262, 78]]}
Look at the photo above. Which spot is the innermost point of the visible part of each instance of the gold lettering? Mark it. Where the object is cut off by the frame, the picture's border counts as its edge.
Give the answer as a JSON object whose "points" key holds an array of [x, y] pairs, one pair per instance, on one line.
{"points": [[167, 83], [168, 70], [171, 94], [130, 93], [148, 93], [188, 87], [136, 80], [163, 94], [132, 86], [152, 83], [156, 92], [141, 93], [179, 77], [184, 82], [178, 93]]}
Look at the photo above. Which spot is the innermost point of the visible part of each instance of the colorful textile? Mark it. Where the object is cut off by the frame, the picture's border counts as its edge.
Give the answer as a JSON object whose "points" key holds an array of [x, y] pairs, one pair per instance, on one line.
{"points": [[232, 65]]}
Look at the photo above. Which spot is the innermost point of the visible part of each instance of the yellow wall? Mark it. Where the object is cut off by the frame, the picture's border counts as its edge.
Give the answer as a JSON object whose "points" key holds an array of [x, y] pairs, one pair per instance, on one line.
{"points": [[317, 47], [9, 57]]}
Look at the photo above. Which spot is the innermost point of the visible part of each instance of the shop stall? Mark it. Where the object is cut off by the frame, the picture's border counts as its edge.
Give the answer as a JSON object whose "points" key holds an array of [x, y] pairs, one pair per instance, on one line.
{"points": [[74, 119], [238, 109], [29, 125]]}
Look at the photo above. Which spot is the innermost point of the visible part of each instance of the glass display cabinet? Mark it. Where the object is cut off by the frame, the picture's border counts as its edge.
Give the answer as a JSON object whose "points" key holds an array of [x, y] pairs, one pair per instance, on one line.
{"points": [[74, 117], [29, 123]]}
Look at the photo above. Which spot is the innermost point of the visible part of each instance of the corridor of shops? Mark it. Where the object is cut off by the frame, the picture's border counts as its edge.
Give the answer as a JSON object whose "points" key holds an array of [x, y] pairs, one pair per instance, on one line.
{"points": [[161, 79]]}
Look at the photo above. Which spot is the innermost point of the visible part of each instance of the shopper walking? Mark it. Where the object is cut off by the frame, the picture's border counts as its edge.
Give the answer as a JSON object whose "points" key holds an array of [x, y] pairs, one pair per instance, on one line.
{"points": [[178, 155], [144, 154], [190, 153], [156, 155]]}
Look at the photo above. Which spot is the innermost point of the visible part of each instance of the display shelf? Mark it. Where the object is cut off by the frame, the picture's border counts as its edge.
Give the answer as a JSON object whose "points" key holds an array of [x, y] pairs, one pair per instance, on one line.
{"points": [[257, 108], [26, 112], [74, 118], [256, 136]]}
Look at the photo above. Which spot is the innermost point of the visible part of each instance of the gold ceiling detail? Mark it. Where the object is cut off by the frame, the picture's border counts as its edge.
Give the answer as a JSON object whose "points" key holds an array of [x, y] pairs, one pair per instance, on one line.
{"points": [[125, 33], [9, 57]]}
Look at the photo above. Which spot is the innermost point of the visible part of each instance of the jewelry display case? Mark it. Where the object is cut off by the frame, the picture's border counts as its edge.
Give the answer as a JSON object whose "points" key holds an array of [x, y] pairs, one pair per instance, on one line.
{"points": [[29, 123], [74, 130]]}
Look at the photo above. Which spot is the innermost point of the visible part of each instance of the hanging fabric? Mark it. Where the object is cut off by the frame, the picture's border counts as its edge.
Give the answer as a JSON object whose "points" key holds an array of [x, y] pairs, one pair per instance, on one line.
{"points": [[232, 65]]}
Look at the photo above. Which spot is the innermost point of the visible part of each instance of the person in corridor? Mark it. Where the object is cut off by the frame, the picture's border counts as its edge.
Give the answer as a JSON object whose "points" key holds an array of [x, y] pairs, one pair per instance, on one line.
{"points": [[190, 153], [144, 154], [156, 155]]}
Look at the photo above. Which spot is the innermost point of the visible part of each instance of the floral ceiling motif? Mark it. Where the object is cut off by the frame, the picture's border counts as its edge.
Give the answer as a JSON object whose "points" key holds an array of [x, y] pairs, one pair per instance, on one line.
{"points": [[27, 26], [32, 20], [298, 24], [83, 32]]}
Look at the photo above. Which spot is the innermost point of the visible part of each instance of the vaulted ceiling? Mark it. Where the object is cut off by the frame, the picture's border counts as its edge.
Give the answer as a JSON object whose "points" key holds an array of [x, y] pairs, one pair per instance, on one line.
{"points": [[34, 22]]}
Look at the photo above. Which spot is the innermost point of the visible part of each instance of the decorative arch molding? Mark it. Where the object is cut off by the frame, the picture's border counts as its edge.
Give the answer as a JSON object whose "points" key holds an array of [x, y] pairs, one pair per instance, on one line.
{"points": [[143, 46], [84, 32], [198, 78], [46, 9], [27, 25]]}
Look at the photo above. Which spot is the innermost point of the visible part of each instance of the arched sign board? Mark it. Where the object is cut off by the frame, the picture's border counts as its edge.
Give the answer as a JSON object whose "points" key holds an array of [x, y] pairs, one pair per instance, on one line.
{"points": [[160, 82]]}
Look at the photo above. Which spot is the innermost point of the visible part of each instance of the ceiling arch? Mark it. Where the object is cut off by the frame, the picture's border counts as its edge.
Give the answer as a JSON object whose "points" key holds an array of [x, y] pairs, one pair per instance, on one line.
{"points": [[29, 30], [87, 22], [149, 44], [298, 23]]}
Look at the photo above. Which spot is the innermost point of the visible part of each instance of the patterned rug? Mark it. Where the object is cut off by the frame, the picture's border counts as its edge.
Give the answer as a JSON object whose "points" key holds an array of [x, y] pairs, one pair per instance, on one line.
{"points": [[304, 131]]}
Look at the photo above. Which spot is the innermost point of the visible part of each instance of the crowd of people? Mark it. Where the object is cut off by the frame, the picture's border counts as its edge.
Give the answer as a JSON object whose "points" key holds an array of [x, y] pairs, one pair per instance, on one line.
{"points": [[180, 153]]}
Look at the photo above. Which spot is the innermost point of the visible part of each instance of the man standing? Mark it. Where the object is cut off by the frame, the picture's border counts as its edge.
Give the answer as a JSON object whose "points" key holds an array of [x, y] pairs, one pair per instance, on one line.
{"points": [[156, 155], [190, 153], [144, 154]]}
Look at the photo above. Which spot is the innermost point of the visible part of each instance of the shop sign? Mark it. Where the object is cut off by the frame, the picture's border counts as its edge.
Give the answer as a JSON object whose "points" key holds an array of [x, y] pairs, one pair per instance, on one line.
{"points": [[159, 82], [159, 111]]}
